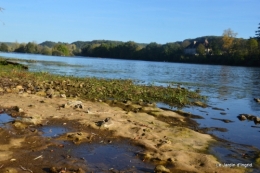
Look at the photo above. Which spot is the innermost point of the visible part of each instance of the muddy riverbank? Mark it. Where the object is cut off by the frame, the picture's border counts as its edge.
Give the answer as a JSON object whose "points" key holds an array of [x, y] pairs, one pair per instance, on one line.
{"points": [[168, 145]]}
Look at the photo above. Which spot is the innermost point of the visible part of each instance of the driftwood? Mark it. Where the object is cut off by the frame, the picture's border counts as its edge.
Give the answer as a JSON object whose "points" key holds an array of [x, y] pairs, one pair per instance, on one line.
{"points": [[6, 62]]}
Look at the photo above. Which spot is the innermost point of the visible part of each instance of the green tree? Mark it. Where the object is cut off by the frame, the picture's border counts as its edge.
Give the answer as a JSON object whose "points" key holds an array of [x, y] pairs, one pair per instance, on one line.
{"points": [[257, 33], [60, 50], [185, 43], [228, 40], [128, 50], [46, 50], [200, 49], [171, 51], [252, 46], [4, 47], [20, 49], [31, 48], [153, 51], [88, 50], [216, 45]]}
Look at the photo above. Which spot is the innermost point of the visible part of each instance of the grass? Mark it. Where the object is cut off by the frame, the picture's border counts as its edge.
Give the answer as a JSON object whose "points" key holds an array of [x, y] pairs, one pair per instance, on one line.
{"points": [[104, 89]]}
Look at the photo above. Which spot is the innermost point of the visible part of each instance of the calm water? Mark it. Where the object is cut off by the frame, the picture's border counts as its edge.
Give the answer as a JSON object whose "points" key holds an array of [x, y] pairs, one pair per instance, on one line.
{"points": [[231, 89]]}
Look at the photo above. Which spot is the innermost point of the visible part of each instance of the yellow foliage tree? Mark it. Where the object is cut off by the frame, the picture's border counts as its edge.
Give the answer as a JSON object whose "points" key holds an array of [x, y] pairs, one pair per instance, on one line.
{"points": [[228, 40]]}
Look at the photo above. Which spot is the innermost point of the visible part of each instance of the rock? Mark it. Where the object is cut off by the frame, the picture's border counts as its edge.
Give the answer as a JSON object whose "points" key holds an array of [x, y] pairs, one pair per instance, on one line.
{"points": [[161, 169], [257, 161], [198, 103], [54, 170], [50, 92], [224, 120], [9, 170], [75, 136], [81, 85], [18, 109], [41, 93], [34, 119], [74, 104], [257, 100], [65, 106], [242, 117], [8, 90], [19, 87], [63, 96], [1, 89], [257, 120], [20, 125], [80, 170], [106, 122]]}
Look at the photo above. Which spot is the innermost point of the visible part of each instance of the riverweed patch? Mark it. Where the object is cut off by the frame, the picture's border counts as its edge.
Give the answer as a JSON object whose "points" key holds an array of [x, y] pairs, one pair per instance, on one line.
{"points": [[91, 88]]}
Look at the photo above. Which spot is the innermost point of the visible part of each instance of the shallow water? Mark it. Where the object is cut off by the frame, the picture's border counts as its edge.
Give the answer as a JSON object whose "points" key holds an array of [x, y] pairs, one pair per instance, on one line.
{"points": [[53, 131], [231, 89], [5, 118], [114, 156]]}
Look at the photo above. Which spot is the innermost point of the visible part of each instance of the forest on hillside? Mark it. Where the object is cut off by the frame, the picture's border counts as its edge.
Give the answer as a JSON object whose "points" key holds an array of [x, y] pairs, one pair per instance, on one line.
{"points": [[225, 49]]}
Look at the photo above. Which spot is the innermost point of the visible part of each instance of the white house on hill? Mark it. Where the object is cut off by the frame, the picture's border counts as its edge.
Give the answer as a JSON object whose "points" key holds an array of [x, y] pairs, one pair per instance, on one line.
{"points": [[192, 48]]}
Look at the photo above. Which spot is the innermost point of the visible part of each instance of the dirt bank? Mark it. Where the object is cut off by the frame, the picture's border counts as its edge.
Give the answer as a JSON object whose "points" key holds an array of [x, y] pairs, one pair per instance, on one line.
{"points": [[171, 144]]}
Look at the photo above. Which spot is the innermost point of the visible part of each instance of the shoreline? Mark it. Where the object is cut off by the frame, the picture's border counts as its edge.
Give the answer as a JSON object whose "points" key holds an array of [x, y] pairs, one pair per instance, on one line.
{"points": [[180, 148], [168, 138]]}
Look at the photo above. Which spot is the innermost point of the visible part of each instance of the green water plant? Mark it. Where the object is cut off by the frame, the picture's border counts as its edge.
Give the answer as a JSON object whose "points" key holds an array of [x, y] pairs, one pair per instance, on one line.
{"points": [[91, 88]]}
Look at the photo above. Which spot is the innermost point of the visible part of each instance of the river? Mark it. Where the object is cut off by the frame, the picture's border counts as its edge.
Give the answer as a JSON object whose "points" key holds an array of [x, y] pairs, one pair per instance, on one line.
{"points": [[230, 89]]}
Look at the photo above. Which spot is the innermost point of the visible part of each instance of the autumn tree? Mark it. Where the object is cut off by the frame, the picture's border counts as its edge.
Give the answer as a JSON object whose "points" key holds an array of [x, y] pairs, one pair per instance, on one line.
{"points": [[228, 40]]}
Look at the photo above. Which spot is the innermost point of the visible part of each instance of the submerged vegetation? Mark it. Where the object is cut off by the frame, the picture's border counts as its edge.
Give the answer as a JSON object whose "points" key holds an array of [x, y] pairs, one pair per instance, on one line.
{"points": [[49, 85]]}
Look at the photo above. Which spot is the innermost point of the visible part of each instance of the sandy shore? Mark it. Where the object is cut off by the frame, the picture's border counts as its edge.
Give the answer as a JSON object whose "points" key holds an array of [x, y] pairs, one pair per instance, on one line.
{"points": [[165, 143]]}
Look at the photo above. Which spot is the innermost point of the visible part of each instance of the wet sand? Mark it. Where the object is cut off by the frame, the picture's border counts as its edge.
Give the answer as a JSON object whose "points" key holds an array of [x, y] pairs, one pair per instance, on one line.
{"points": [[169, 143]]}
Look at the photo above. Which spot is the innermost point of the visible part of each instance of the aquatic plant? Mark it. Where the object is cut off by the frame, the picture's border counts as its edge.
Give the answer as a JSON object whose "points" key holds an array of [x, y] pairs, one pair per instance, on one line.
{"points": [[92, 88]]}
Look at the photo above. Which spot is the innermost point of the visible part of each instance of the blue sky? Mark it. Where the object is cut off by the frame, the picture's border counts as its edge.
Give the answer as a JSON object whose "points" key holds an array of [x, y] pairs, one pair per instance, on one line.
{"points": [[142, 21]]}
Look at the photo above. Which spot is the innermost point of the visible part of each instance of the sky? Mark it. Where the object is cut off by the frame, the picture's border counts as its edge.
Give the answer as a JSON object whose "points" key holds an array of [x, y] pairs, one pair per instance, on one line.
{"points": [[141, 21]]}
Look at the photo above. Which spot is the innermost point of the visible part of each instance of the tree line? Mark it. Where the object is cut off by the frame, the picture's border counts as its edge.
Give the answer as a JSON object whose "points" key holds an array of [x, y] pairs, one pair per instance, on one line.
{"points": [[226, 49]]}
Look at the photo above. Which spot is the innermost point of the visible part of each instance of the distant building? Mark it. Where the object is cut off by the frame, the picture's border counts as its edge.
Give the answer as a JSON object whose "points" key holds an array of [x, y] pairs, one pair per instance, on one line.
{"points": [[192, 48]]}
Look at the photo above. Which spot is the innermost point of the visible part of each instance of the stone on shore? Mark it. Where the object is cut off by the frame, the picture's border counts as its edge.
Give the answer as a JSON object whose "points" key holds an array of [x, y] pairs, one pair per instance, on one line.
{"points": [[257, 100], [257, 120], [161, 169]]}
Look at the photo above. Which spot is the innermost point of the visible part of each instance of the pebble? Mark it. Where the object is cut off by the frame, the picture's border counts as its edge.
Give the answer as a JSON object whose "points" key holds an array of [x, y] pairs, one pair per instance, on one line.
{"points": [[257, 120], [161, 169], [257, 100]]}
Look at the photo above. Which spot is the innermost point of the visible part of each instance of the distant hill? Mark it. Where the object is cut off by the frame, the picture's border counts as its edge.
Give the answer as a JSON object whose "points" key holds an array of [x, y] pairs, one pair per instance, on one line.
{"points": [[8, 43], [81, 44], [202, 39], [50, 44]]}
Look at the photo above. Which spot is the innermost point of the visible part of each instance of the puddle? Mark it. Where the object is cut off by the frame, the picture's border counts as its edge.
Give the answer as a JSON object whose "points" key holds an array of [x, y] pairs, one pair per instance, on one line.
{"points": [[53, 131], [5, 118], [112, 157]]}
